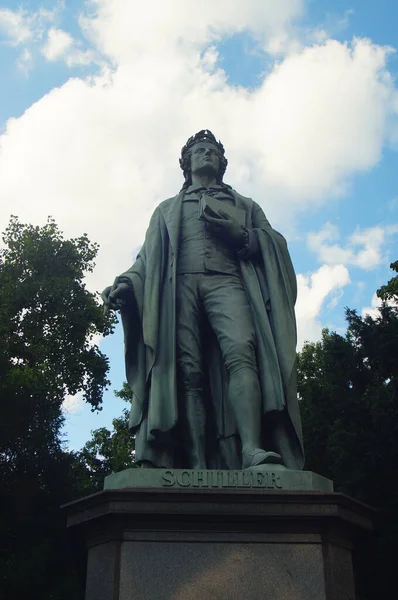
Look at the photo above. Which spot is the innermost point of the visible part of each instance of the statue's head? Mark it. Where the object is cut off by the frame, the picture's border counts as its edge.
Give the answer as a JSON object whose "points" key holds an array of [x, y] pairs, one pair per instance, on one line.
{"points": [[196, 148]]}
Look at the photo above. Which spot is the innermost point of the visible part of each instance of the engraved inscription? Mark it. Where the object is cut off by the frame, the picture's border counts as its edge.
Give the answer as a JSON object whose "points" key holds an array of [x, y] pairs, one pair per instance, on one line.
{"points": [[221, 479], [168, 478]]}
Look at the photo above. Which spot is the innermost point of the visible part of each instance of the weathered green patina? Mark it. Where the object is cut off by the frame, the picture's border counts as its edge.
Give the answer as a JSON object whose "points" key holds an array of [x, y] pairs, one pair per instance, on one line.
{"points": [[210, 332]]}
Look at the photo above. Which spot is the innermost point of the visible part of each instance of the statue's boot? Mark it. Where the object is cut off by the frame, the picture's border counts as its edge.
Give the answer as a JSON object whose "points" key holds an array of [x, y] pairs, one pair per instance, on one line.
{"points": [[245, 399], [195, 433], [257, 456]]}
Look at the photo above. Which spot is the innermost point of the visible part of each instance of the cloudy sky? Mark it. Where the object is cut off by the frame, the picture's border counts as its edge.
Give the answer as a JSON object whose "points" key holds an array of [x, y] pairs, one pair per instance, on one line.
{"points": [[97, 97]]}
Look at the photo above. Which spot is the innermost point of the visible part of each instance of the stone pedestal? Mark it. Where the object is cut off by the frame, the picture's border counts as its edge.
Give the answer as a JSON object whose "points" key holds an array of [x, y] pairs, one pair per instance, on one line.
{"points": [[218, 543]]}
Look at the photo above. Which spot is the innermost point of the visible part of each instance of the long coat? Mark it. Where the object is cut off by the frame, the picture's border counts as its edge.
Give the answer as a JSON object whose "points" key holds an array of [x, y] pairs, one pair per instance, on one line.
{"points": [[149, 323]]}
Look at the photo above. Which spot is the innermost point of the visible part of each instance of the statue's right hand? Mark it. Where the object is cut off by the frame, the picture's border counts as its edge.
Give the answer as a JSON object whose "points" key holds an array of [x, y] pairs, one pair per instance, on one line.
{"points": [[115, 296]]}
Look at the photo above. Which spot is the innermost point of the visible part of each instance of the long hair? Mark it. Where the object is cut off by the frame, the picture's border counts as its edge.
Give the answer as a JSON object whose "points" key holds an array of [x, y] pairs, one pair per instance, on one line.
{"points": [[185, 161]]}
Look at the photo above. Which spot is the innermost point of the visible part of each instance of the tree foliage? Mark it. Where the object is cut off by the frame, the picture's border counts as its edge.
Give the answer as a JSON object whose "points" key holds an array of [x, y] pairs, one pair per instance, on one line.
{"points": [[48, 320], [390, 290], [349, 404], [109, 451]]}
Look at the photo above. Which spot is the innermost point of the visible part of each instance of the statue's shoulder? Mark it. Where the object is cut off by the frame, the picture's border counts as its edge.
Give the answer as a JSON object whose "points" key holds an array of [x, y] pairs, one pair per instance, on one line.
{"points": [[166, 203], [169, 203], [248, 202]]}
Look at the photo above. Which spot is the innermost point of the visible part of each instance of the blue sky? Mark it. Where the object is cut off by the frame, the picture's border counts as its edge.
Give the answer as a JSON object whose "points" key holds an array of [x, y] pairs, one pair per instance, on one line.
{"points": [[98, 97]]}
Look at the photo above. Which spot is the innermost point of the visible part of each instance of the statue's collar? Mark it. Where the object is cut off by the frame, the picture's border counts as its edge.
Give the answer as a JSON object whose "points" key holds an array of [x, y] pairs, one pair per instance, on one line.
{"points": [[194, 189]]}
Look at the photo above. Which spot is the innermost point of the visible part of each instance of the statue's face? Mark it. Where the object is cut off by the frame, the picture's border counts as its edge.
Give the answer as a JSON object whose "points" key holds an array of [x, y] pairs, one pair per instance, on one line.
{"points": [[205, 159]]}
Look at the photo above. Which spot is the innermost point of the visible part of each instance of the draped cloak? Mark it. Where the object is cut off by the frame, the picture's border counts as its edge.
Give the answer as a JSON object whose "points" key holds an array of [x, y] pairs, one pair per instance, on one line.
{"points": [[149, 323]]}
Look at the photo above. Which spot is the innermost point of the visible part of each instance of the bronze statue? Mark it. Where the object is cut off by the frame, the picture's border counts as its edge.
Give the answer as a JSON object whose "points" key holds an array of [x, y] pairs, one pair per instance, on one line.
{"points": [[210, 333]]}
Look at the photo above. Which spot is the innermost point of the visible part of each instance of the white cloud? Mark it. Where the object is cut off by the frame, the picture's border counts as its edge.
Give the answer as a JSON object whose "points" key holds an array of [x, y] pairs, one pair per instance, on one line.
{"points": [[372, 310], [366, 249], [27, 28], [16, 25], [375, 304], [57, 44], [73, 404], [25, 61], [22, 26], [60, 45], [324, 284], [325, 112], [126, 30], [99, 153], [96, 339]]}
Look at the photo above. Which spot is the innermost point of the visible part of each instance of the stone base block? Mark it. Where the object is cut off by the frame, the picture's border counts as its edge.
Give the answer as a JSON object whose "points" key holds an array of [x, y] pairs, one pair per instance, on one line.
{"points": [[178, 543], [266, 477]]}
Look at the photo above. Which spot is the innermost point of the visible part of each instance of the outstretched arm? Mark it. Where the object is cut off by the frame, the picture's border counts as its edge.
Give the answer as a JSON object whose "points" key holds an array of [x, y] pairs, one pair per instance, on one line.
{"points": [[129, 286]]}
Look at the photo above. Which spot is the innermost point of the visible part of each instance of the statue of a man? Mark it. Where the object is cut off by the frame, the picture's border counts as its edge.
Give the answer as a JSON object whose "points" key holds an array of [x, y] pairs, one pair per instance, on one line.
{"points": [[210, 334]]}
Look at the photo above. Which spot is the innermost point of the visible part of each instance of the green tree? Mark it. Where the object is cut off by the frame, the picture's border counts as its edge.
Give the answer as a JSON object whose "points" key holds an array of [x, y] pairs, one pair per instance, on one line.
{"points": [[390, 290], [48, 320], [348, 389], [109, 451]]}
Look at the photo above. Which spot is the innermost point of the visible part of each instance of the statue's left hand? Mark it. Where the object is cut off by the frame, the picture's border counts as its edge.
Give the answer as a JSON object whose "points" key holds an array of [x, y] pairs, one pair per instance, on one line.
{"points": [[227, 229], [114, 297]]}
